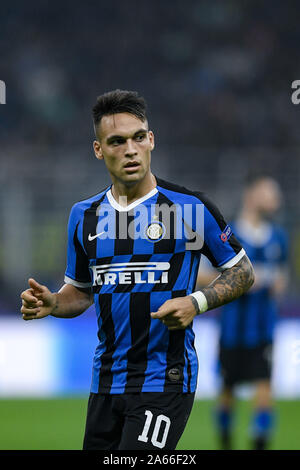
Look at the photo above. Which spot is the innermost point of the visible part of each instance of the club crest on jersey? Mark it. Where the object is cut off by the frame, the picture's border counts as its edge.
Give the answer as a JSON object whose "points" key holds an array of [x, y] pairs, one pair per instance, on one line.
{"points": [[227, 232], [155, 231]]}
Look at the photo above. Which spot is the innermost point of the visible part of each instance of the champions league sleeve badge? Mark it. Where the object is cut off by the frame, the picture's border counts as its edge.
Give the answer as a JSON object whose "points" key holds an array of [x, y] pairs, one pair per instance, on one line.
{"points": [[226, 234]]}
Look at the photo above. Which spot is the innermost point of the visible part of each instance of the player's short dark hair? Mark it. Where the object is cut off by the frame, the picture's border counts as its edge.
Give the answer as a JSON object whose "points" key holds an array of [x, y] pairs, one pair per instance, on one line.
{"points": [[119, 101]]}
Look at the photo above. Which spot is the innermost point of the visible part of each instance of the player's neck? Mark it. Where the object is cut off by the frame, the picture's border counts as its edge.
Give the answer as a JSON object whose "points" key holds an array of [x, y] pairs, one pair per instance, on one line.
{"points": [[125, 194]]}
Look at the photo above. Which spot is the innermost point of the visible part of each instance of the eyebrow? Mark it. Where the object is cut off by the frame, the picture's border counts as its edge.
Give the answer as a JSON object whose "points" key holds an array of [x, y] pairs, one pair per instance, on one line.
{"points": [[116, 136]]}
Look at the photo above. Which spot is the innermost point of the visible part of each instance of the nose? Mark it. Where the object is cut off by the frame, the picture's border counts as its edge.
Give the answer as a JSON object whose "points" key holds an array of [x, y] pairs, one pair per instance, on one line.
{"points": [[130, 150]]}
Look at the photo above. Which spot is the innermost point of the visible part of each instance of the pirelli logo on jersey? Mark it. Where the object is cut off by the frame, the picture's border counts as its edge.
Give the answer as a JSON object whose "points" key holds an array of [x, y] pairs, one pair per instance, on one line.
{"points": [[148, 272]]}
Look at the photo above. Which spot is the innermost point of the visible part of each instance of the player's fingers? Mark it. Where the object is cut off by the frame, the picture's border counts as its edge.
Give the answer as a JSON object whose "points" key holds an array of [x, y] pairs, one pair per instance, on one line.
{"points": [[157, 315], [29, 311], [31, 306], [35, 285], [28, 297], [163, 311]]}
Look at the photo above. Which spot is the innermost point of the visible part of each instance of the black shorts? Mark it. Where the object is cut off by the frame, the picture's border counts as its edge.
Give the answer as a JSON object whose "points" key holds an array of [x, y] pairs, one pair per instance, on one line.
{"points": [[136, 421], [239, 365]]}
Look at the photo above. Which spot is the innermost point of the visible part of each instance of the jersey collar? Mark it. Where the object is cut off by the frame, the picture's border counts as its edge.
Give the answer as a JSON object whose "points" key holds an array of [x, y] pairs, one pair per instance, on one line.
{"points": [[120, 208]]}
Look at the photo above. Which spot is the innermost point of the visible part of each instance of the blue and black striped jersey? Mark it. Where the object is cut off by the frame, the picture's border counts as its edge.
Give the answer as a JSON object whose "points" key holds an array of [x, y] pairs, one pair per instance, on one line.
{"points": [[249, 321], [135, 258]]}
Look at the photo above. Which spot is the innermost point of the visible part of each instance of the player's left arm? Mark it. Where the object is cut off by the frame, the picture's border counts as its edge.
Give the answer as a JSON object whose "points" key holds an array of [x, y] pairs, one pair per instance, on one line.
{"points": [[232, 283]]}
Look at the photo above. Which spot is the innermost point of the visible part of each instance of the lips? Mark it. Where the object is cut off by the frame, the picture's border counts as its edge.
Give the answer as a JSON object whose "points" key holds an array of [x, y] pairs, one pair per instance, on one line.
{"points": [[131, 164], [131, 167]]}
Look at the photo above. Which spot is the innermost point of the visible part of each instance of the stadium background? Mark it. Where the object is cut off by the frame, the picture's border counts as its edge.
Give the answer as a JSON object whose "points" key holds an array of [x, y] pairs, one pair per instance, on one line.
{"points": [[217, 78]]}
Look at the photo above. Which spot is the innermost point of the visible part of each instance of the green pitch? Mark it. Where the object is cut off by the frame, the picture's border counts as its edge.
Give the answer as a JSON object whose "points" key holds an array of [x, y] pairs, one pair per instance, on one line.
{"points": [[59, 424]]}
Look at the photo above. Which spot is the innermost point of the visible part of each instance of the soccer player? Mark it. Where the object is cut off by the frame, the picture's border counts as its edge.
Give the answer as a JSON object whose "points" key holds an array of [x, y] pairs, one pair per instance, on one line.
{"points": [[134, 250], [247, 324]]}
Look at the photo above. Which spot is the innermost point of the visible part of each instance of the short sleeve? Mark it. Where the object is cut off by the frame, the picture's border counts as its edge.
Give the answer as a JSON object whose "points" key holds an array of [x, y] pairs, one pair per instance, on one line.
{"points": [[77, 272], [220, 244]]}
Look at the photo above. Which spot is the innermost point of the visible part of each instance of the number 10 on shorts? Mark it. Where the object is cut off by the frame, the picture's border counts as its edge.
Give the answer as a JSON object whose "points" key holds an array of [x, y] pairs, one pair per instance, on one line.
{"points": [[154, 438]]}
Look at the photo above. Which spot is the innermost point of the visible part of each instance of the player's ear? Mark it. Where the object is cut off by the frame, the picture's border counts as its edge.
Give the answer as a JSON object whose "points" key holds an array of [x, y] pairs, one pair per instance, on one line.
{"points": [[98, 150], [151, 137]]}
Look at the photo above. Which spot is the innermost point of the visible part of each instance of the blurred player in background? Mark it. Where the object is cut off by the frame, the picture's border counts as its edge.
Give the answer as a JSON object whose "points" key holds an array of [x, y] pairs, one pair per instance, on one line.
{"points": [[126, 257], [247, 324]]}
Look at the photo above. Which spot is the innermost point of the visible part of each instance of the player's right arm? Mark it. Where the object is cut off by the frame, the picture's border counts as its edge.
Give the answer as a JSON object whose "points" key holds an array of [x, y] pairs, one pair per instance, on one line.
{"points": [[75, 295], [38, 301]]}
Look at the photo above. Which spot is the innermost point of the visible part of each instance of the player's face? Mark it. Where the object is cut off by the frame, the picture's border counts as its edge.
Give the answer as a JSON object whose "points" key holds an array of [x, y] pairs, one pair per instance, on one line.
{"points": [[266, 197], [125, 144]]}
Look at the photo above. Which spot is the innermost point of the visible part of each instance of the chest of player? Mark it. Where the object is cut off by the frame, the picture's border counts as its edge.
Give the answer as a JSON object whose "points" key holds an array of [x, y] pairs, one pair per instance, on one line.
{"points": [[131, 233], [138, 250]]}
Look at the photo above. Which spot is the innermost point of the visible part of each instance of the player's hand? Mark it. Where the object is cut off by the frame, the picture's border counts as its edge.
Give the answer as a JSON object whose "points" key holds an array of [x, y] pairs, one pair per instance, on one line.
{"points": [[37, 301], [177, 313]]}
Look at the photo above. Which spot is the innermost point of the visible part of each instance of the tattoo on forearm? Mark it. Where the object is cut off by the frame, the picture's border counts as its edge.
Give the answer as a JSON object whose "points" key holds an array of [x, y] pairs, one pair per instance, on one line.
{"points": [[230, 285]]}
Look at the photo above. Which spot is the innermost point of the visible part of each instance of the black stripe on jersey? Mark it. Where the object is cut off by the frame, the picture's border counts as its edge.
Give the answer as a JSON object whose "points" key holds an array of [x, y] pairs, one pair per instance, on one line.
{"points": [[123, 246], [175, 353], [133, 259], [105, 375], [90, 221], [206, 252], [140, 326], [176, 263], [168, 242], [82, 262], [174, 187]]}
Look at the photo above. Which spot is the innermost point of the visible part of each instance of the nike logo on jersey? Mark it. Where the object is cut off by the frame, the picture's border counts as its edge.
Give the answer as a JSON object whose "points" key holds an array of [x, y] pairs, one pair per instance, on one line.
{"points": [[92, 237]]}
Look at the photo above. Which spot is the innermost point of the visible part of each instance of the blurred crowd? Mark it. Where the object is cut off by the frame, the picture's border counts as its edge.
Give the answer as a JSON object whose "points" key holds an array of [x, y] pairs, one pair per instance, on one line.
{"points": [[219, 73], [217, 78]]}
